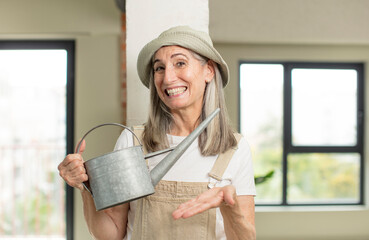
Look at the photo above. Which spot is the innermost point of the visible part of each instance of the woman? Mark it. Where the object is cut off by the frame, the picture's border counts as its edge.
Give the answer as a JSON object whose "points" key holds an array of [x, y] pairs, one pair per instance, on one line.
{"points": [[209, 192]]}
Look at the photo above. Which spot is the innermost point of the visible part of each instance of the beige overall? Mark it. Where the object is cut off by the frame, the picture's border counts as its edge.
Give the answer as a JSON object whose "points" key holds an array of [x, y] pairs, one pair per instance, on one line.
{"points": [[153, 217]]}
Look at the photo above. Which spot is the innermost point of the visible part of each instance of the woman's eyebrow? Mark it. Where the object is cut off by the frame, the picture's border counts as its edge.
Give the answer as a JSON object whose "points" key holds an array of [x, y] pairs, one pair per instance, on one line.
{"points": [[178, 54], [172, 56]]}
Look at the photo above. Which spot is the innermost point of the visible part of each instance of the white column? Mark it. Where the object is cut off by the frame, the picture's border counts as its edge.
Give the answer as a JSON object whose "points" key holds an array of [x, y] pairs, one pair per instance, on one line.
{"points": [[146, 19]]}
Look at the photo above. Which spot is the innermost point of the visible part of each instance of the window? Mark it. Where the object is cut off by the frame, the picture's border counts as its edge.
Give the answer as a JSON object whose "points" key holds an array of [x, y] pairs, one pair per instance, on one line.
{"points": [[304, 121], [36, 125]]}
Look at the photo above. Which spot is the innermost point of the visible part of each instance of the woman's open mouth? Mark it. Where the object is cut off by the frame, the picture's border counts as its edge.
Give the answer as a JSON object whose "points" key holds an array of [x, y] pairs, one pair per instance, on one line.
{"points": [[175, 91]]}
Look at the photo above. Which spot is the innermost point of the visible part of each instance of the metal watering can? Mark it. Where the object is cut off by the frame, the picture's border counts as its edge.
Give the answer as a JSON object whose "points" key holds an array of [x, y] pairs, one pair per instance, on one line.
{"points": [[122, 176]]}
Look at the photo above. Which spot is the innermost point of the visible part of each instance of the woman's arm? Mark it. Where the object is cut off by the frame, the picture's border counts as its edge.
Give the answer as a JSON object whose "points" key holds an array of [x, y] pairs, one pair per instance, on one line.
{"points": [[106, 224], [239, 219], [238, 211]]}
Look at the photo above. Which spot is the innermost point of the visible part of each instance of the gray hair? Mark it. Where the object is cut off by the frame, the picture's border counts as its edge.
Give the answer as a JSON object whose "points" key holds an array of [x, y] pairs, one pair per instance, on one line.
{"points": [[217, 137]]}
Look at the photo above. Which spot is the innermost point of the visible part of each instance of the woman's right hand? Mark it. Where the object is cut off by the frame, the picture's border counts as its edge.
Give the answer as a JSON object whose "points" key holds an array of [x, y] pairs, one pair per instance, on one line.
{"points": [[72, 169]]}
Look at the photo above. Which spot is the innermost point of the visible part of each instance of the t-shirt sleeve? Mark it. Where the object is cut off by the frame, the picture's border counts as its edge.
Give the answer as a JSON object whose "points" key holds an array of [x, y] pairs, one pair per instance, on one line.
{"points": [[241, 169], [125, 140]]}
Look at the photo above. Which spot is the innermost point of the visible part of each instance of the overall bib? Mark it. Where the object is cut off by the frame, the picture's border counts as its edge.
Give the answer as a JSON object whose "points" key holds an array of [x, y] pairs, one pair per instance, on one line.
{"points": [[153, 217]]}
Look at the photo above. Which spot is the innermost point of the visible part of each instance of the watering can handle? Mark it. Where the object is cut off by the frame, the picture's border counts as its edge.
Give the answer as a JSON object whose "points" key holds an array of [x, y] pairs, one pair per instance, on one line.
{"points": [[105, 124], [101, 125]]}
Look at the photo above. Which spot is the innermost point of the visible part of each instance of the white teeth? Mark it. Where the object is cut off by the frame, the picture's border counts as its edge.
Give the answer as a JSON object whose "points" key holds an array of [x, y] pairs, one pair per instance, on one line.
{"points": [[175, 91]]}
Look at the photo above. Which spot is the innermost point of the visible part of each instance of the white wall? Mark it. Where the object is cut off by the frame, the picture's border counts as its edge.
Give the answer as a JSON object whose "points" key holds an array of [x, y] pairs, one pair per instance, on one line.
{"points": [[145, 24]]}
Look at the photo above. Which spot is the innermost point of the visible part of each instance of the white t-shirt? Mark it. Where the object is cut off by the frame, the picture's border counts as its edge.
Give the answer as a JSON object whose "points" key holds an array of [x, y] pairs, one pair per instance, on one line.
{"points": [[192, 167]]}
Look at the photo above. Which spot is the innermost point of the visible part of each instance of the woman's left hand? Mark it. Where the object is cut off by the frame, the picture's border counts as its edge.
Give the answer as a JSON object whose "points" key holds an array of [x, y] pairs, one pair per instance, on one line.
{"points": [[211, 198], [238, 212]]}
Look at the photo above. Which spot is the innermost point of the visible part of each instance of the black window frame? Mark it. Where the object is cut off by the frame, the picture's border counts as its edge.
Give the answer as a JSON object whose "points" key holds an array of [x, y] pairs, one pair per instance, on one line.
{"points": [[289, 148], [69, 46]]}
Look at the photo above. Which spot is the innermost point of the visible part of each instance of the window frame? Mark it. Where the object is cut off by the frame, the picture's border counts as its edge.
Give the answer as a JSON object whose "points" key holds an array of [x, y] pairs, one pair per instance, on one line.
{"points": [[289, 148], [69, 46]]}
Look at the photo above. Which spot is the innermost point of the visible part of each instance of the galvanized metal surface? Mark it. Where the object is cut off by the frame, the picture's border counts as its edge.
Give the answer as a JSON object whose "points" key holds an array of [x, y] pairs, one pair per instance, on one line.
{"points": [[119, 177]]}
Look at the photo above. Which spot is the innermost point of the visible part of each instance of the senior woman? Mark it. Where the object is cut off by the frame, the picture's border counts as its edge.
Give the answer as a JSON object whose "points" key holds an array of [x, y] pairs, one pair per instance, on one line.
{"points": [[209, 192]]}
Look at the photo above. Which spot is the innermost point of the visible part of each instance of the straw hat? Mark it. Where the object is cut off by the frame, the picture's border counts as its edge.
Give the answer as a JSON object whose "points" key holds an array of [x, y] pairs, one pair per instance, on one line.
{"points": [[183, 36]]}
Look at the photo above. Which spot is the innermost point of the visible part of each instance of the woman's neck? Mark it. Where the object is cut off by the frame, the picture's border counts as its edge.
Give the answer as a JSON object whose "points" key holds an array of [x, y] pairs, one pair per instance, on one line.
{"points": [[184, 122]]}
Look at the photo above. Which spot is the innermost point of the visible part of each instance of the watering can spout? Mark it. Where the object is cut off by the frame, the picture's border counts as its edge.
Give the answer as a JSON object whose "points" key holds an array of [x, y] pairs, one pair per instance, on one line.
{"points": [[163, 166]]}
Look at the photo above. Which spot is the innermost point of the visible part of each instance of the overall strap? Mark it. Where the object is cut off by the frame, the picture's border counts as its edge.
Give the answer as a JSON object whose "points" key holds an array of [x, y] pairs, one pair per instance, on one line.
{"points": [[138, 130], [223, 160]]}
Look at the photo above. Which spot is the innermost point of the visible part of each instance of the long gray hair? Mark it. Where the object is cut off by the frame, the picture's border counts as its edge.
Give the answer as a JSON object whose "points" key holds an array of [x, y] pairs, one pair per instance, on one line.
{"points": [[216, 138]]}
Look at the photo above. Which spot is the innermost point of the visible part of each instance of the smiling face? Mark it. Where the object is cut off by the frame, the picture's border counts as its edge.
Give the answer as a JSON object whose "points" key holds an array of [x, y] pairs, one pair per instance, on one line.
{"points": [[180, 78]]}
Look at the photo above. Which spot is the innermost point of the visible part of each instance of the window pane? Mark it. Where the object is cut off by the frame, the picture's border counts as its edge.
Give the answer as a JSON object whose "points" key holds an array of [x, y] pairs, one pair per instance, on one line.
{"points": [[323, 178], [261, 110], [32, 142], [324, 107]]}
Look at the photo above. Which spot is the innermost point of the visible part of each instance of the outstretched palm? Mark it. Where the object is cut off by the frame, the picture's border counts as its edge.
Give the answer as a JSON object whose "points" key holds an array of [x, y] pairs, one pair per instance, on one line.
{"points": [[211, 198]]}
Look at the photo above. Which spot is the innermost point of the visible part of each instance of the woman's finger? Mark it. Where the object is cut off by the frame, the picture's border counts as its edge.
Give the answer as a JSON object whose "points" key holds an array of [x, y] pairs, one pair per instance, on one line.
{"points": [[203, 202], [80, 170], [71, 161], [199, 208], [82, 147], [72, 170], [76, 162], [79, 179], [76, 181], [229, 195], [210, 199], [187, 204]]}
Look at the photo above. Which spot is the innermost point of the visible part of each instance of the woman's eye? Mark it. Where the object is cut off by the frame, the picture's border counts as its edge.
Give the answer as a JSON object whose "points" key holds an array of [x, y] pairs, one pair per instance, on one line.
{"points": [[180, 64], [158, 69]]}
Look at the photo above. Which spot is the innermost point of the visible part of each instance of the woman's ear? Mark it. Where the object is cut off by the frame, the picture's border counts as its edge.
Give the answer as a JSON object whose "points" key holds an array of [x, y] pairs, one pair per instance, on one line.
{"points": [[210, 71]]}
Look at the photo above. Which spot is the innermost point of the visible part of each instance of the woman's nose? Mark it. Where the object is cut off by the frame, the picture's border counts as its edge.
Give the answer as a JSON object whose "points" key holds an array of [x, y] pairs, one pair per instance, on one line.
{"points": [[169, 74]]}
